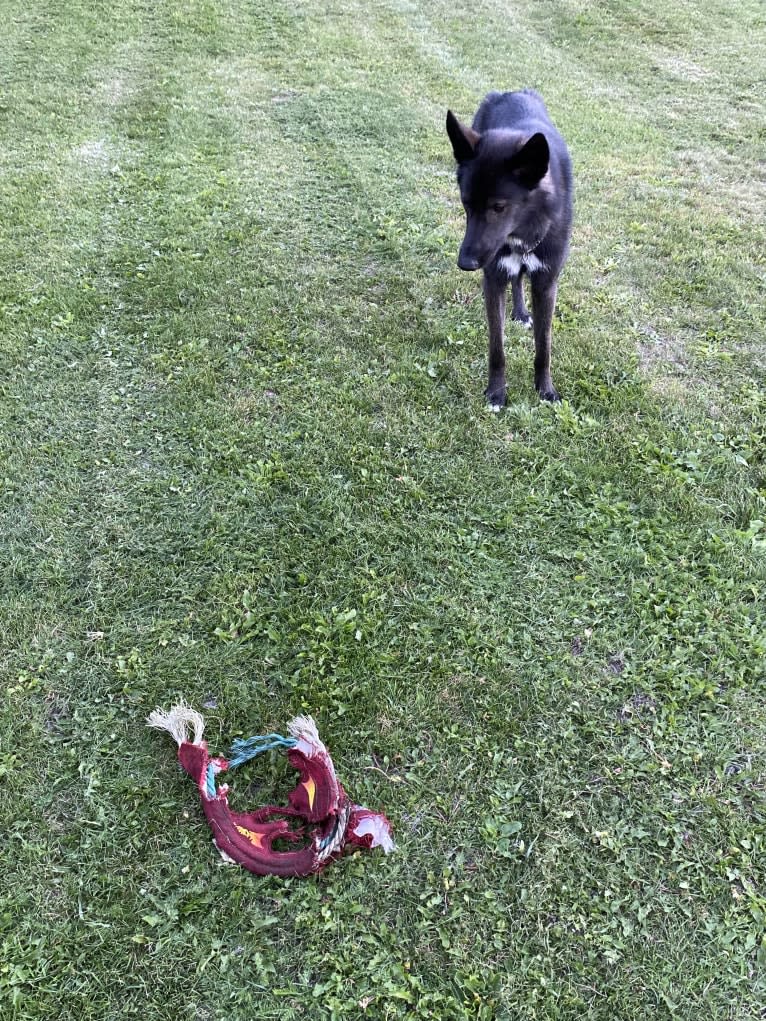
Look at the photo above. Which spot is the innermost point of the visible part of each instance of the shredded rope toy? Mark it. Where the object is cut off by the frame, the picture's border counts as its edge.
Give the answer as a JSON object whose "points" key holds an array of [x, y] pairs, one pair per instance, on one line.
{"points": [[327, 821]]}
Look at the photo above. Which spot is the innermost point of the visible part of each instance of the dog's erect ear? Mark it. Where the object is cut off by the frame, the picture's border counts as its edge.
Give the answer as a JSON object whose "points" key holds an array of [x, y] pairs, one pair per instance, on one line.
{"points": [[464, 140], [530, 163]]}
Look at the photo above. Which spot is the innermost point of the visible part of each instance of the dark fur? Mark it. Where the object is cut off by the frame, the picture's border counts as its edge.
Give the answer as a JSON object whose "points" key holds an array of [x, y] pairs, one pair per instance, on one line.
{"points": [[515, 179]]}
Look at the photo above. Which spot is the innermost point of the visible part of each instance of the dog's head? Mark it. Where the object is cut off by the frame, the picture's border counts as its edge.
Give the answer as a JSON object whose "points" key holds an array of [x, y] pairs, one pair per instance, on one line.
{"points": [[504, 188]]}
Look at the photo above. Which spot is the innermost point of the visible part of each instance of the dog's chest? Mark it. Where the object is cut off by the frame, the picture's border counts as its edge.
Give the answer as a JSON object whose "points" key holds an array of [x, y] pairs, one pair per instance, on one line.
{"points": [[514, 262]]}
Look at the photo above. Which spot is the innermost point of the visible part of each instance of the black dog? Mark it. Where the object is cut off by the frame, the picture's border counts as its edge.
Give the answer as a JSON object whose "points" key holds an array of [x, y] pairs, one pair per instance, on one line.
{"points": [[515, 180]]}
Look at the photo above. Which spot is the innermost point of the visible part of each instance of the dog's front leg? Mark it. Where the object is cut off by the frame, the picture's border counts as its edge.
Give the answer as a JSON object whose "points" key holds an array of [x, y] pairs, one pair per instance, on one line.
{"points": [[520, 313], [494, 303], [543, 304]]}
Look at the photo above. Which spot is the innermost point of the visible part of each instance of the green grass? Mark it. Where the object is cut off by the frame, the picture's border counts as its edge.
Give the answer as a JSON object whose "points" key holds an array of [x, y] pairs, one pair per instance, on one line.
{"points": [[246, 461]]}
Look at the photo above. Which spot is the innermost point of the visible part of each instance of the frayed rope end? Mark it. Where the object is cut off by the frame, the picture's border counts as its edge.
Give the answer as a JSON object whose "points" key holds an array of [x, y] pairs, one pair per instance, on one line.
{"points": [[303, 728], [178, 721]]}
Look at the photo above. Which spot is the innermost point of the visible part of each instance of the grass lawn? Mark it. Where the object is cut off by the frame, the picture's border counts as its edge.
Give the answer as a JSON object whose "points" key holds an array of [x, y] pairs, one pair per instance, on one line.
{"points": [[246, 461]]}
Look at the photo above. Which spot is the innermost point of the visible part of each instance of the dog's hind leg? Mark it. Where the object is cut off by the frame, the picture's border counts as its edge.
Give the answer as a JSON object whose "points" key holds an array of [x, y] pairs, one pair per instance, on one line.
{"points": [[520, 312], [494, 303], [543, 303]]}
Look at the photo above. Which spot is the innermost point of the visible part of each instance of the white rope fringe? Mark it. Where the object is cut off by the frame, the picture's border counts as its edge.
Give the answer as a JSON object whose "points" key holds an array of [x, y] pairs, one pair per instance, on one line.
{"points": [[303, 728], [177, 721]]}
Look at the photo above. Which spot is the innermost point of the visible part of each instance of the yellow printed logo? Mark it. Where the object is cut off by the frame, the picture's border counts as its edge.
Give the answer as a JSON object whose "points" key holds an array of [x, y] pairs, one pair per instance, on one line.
{"points": [[311, 788], [254, 838]]}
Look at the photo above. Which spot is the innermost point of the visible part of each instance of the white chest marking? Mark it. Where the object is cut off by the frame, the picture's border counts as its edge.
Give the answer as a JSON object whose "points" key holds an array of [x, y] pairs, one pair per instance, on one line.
{"points": [[513, 263]]}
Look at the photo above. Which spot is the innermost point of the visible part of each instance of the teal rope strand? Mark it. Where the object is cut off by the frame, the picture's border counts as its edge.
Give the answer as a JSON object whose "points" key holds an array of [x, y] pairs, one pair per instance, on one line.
{"points": [[244, 750], [210, 781], [330, 836]]}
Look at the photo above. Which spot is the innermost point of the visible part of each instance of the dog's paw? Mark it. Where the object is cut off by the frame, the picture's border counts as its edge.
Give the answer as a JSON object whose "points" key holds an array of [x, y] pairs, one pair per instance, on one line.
{"points": [[549, 393], [495, 394]]}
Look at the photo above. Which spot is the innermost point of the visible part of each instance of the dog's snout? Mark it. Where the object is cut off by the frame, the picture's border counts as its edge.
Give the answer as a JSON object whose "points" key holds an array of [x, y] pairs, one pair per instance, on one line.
{"points": [[467, 261]]}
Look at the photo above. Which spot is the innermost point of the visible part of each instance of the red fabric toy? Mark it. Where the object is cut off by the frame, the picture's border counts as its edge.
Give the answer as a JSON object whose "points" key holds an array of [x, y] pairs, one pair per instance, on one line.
{"points": [[327, 821]]}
